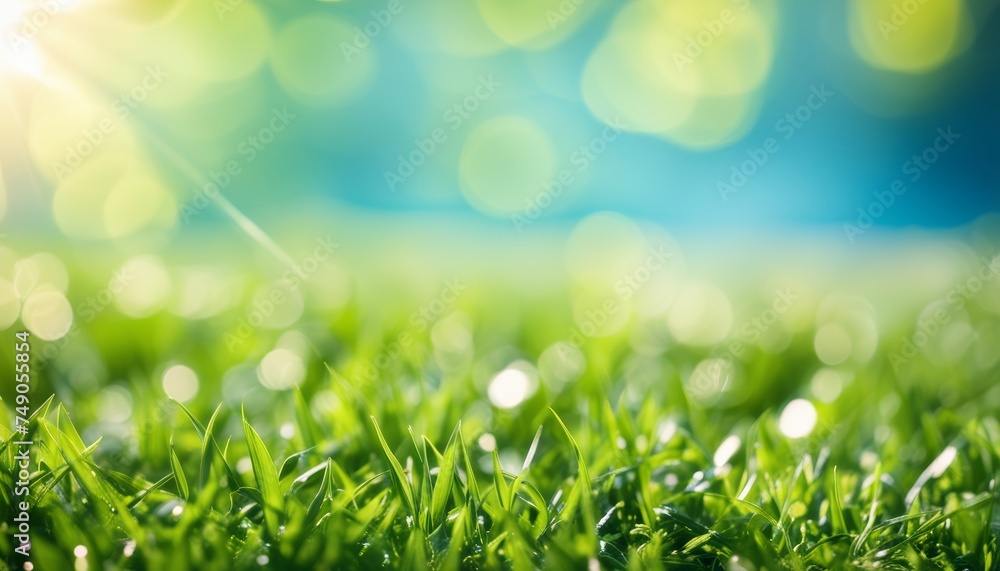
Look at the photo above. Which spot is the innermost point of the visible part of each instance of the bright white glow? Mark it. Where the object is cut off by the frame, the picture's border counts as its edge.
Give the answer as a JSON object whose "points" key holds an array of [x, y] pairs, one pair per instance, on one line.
{"points": [[509, 388], [28, 60], [180, 382], [20, 22], [798, 419], [281, 370], [726, 450], [80, 551], [12, 15]]}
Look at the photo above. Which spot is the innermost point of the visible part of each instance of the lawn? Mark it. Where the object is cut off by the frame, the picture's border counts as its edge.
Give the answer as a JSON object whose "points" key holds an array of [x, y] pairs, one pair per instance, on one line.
{"points": [[467, 443], [499, 285]]}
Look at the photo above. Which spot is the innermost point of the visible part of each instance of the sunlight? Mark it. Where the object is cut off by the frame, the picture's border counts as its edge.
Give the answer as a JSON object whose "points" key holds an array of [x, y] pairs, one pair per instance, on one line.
{"points": [[21, 21]]}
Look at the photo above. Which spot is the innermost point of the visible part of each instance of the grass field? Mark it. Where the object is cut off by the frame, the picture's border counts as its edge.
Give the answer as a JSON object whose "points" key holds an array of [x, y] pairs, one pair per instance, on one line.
{"points": [[475, 443], [499, 285]]}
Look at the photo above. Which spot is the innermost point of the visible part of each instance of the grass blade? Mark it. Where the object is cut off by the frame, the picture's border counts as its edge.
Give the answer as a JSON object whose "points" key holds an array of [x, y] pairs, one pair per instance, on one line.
{"points": [[175, 466], [396, 473], [583, 482], [837, 506], [266, 477], [500, 483], [445, 482]]}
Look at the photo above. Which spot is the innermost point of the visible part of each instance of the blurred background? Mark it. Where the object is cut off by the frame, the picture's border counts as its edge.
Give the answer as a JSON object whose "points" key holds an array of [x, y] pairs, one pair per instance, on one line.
{"points": [[331, 108], [218, 197]]}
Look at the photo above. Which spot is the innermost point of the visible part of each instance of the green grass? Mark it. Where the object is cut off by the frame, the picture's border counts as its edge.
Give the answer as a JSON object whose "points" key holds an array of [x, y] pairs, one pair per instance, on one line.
{"points": [[617, 470]]}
